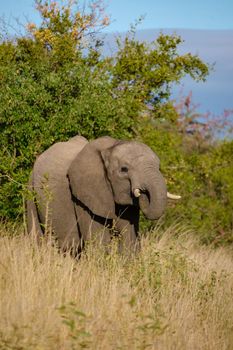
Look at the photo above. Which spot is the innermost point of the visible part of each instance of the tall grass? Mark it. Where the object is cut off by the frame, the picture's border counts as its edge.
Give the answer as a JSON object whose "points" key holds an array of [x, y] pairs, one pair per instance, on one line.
{"points": [[175, 294]]}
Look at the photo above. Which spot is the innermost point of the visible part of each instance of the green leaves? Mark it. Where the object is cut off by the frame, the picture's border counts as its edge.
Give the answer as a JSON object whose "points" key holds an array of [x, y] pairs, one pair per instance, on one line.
{"points": [[149, 69], [203, 178], [55, 83]]}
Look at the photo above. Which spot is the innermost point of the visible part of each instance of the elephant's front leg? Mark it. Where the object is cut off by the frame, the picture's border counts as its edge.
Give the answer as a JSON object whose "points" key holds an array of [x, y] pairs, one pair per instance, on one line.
{"points": [[92, 227], [127, 225]]}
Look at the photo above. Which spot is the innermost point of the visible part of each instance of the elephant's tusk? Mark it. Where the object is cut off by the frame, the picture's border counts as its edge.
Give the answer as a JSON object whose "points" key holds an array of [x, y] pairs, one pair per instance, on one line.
{"points": [[172, 196], [137, 192]]}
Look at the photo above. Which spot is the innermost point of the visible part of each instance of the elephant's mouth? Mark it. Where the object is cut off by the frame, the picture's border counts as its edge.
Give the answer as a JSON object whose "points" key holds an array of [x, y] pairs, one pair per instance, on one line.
{"points": [[139, 195], [152, 202]]}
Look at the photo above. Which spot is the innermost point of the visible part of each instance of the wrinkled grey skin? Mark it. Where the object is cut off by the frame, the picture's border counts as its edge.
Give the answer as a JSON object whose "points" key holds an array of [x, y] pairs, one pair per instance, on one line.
{"points": [[89, 186]]}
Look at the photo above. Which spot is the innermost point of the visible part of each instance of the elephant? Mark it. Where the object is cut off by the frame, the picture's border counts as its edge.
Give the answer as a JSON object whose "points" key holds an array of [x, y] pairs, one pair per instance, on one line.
{"points": [[95, 189]]}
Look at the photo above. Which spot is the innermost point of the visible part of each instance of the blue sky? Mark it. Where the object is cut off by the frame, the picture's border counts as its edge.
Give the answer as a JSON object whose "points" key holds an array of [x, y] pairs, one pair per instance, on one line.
{"points": [[195, 14], [214, 95]]}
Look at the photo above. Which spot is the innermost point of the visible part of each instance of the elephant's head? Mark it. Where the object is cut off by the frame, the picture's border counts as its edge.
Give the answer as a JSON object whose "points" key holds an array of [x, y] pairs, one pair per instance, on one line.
{"points": [[108, 171]]}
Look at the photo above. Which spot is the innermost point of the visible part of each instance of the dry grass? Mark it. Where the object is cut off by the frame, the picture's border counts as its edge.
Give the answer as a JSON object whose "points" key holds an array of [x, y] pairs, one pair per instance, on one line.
{"points": [[174, 294]]}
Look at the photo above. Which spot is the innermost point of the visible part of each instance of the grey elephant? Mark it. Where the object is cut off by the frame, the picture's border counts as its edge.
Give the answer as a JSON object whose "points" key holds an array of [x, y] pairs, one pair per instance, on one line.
{"points": [[85, 189]]}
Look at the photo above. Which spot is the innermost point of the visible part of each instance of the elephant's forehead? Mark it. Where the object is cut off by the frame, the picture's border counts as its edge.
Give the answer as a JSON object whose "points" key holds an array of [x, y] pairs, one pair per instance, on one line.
{"points": [[134, 151]]}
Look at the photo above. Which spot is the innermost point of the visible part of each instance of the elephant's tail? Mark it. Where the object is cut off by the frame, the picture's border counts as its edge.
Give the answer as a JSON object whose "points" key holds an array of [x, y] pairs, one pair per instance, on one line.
{"points": [[33, 222]]}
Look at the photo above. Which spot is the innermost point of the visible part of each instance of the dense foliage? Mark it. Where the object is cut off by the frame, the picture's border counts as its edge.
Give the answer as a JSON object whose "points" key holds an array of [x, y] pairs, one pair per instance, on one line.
{"points": [[55, 83], [203, 174]]}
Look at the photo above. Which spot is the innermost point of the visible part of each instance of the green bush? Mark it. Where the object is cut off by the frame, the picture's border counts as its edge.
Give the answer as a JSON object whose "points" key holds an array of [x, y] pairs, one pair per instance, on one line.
{"points": [[52, 87], [55, 83]]}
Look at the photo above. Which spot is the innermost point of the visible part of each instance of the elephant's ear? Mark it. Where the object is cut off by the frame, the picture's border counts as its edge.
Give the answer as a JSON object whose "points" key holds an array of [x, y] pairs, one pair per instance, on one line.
{"points": [[88, 181]]}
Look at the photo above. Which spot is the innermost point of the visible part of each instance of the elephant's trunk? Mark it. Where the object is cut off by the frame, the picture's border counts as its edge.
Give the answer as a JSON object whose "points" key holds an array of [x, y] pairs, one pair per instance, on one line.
{"points": [[152, 196]]}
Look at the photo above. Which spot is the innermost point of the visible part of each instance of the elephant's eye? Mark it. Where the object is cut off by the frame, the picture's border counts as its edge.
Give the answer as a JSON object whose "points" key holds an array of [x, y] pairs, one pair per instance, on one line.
{"points": [[124, 169]]}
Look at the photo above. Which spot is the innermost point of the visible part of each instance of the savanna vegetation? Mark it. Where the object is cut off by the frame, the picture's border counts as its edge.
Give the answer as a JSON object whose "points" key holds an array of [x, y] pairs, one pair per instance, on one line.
{"points": [[176, 293]]}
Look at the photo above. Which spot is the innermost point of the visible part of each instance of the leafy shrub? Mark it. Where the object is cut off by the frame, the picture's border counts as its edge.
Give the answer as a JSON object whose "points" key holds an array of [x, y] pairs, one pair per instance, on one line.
{"points": [[53, 87], [201, 174], [55, 83]]}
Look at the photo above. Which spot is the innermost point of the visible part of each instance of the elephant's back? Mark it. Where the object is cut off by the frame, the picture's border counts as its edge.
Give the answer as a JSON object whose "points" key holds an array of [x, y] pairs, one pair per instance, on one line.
{"points": [[50, 169], [55, 161]]}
